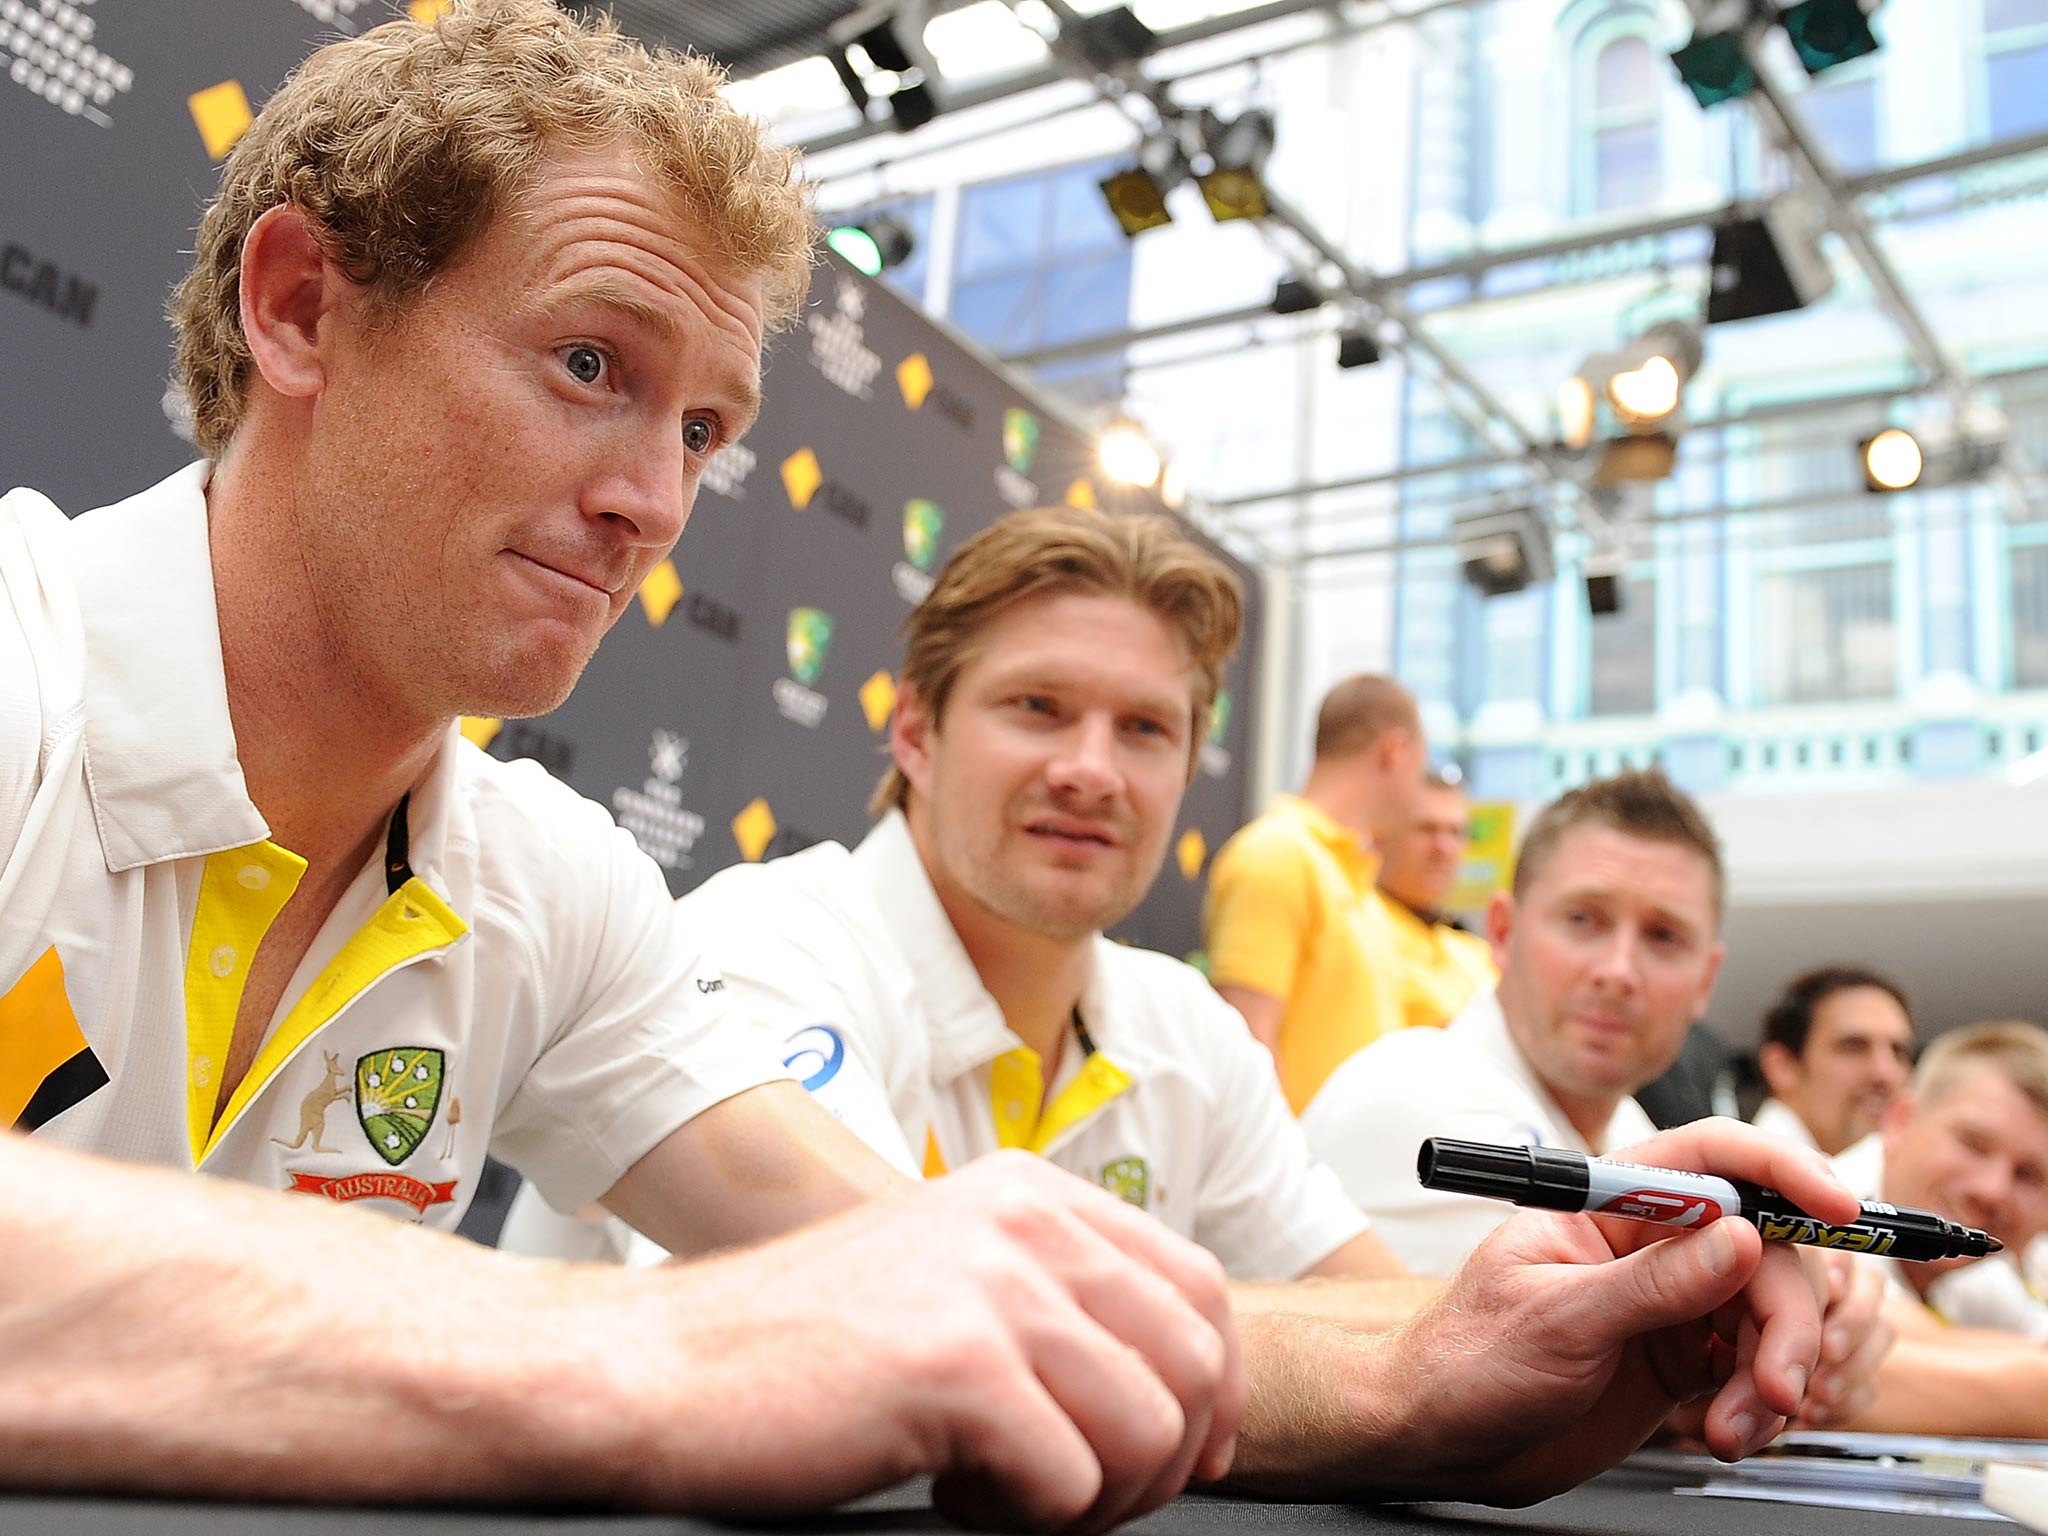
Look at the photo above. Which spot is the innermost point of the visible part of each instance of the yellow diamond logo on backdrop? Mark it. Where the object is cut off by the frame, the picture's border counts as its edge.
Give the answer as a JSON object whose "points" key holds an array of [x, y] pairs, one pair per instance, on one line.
{"points": [[1081, 494], [1191, 850], [660, 592], [222, 115], [877, 698], [427, 12], [914, 378], [481, 729], [753, 828], [801, 477]]}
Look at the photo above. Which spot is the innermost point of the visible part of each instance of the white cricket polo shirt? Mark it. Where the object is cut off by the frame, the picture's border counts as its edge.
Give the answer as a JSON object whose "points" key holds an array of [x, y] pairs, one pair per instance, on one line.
{"points": [[1467, 1080], [1177, 1109], [1992, 1292], [508, 975]]}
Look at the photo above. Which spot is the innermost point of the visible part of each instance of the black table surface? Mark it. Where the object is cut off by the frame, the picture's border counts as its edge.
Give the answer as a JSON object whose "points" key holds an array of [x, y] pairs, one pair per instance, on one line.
{"points": [[1625, 1502]]}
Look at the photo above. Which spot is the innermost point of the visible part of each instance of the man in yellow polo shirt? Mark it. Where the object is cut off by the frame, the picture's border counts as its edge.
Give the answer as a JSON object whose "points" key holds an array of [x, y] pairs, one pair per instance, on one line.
{"points": [[1442, 965], [1300, 941]]}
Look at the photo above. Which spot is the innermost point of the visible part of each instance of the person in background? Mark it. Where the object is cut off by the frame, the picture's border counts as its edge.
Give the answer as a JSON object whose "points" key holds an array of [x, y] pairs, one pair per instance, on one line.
{"points": [[1837, 1049], [1608, 946], [1300, 940], [1967, 1138], [1442, 965]]}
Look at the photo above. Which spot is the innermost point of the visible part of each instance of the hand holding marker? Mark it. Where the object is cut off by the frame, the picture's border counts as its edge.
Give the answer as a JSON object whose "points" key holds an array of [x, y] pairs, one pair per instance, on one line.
{"points": [[1556, 1179]]}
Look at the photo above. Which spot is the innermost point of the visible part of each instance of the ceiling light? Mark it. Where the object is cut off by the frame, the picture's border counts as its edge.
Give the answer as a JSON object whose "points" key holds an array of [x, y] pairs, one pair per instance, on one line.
{"points": [[1504, 551], [1892, 460], [1768, 265], [873, 244], [1126, 454], [1825, 33]]}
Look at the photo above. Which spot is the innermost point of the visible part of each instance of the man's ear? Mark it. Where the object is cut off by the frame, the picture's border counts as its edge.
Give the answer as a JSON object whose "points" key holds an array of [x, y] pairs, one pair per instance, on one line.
{"points": [[1500, 923], [287, 287], [1780, 1068], [911, 729]]}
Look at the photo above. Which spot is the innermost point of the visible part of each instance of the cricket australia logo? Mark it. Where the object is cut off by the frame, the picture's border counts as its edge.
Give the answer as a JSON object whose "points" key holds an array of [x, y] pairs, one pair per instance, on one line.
{"points": [[1128, 1179], [397, 1091]]}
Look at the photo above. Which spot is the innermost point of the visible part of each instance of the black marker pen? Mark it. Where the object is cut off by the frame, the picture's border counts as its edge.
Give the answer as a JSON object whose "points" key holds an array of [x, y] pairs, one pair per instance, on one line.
{"points": [[1555, 1179]]}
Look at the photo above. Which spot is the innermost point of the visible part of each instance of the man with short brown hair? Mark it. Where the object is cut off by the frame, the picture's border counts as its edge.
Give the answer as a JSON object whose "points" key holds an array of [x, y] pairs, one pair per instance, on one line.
{"points": [[1299, 938], [1837, 1048], [1442, 965]]}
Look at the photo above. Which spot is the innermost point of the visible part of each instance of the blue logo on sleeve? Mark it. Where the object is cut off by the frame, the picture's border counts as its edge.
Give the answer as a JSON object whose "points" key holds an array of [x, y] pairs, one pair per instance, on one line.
{"points": [[817, 1050]]}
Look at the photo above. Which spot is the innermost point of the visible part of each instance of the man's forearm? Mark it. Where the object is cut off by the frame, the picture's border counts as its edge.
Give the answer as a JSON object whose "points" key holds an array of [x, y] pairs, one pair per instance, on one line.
{"points": [[1367, 1306], [1927, 1387], [167, 1333]]}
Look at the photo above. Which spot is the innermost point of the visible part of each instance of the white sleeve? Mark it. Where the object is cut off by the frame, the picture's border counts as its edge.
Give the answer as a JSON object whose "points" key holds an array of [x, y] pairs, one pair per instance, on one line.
{"points": [[791, 967], [1369, 1121], [640, 1035], [1267, 1208]]}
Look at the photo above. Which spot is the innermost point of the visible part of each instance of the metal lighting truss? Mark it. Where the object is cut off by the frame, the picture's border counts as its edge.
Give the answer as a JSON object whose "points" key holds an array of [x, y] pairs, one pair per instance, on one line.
{"points": [[1317, 260]]}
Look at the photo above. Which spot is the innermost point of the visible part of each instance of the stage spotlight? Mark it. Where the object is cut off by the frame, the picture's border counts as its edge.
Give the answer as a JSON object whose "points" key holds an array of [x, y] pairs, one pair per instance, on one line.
{"points": [[1127, 456], [1892, 460], [1578, 412], [1504, 551], [1357, 347], [1825, 33], [873, 244], [1137, 196], [1933, 454], [1603, 591], [1136, 201], [1768, 265], [1233, 192], [1714, 67], [898, 71], [1111, 39], [1234, 186], [1651, 373], [1637, 457], [1291, 296]]}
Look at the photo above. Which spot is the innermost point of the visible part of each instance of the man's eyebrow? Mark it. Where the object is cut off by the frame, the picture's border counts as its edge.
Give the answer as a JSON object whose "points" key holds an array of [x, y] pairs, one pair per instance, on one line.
{"points": [[608, 293]]}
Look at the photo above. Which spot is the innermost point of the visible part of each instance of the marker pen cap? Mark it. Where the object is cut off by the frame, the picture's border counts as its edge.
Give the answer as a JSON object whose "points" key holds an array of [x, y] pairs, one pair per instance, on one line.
{"points": [[1539, 1176]]}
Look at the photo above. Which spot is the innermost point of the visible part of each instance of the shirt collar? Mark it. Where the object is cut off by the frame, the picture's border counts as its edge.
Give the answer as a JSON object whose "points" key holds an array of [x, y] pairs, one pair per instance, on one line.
{"points": [[965, 1023], [1485, 1027], [162, 766], [1350, 850], [160, 753]]}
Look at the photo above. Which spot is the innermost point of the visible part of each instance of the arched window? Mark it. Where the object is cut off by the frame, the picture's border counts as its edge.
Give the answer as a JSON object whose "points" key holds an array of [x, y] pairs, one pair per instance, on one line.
{"points": [[1624, 148]]}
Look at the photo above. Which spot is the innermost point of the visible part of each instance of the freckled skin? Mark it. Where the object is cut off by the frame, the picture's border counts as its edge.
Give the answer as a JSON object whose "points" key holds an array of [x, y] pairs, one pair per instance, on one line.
{"points": [[489, 477]]}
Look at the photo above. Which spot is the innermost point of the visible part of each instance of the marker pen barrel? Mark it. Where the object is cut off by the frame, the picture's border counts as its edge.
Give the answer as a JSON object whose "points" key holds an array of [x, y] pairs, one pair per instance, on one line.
{"points": [[1557, 1179]]}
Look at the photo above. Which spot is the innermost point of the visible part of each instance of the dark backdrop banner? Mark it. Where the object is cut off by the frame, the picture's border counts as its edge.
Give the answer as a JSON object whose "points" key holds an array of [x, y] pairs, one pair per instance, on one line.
{"points": [[739, 710]]}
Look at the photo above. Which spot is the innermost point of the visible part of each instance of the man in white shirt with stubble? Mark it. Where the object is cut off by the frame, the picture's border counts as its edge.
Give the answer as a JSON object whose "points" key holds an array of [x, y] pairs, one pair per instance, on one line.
{"points": [[1608, 947]]}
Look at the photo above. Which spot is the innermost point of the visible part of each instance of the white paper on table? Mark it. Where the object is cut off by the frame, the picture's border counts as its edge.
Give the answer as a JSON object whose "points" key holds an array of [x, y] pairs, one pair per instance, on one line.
{"points": [[1946, 1506]]}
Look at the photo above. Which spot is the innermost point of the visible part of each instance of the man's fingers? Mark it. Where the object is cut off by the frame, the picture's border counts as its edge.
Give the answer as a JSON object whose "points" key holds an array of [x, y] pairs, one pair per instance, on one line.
{"points": [[1740, 1420], [1781, 1299], [1663, 1284], [1737, 1151], [1198, 1280], [1019, 1463]]}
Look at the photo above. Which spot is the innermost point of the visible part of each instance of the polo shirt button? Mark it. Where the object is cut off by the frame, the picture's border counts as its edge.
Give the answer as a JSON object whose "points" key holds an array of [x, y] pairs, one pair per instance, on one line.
{"points": [[222, 961], [1013, 1111], [253, 877], [202, 1071]]}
